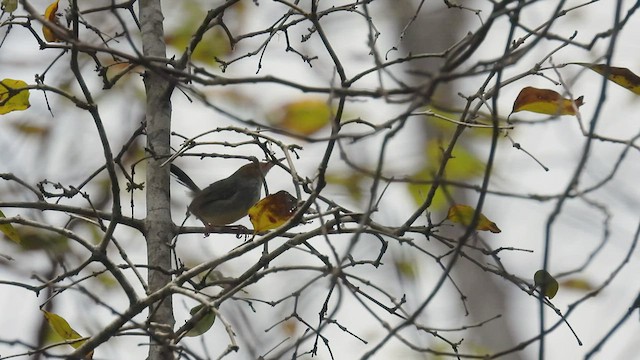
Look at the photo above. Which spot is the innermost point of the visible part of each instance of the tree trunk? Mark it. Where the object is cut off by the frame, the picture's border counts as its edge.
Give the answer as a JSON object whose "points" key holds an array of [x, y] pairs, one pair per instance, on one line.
{"points": [[159, 226]]}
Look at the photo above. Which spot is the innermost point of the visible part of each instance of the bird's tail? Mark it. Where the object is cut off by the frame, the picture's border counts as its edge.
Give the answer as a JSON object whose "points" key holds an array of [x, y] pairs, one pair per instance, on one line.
{"points": [[183, 178]]}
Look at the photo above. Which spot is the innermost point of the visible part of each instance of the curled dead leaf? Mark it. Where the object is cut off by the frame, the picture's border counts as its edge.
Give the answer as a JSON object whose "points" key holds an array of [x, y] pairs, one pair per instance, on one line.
{"points": [[545, 101], [619, 75], [50, 15], [272, 211]]}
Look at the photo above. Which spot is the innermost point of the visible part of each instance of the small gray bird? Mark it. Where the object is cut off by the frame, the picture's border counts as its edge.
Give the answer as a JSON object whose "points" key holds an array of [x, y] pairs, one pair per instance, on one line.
{"points": [[228, 200]]}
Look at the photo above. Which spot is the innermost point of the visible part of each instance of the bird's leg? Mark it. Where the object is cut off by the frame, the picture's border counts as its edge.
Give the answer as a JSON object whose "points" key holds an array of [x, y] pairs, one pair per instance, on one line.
{"points": [[265, 252], [241, 230]]}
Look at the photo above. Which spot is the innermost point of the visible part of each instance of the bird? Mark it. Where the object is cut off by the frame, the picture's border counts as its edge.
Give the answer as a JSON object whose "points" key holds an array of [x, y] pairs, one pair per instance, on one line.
{"points": [[228, 200]]}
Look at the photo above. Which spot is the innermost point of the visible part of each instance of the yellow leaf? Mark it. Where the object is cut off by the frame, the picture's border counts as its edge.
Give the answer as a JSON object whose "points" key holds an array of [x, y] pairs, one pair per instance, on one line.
{"points": [[9, 231], [272, 211], [304, 117], [50, 14], [547, 284], [407, 269], [577, 284], [61, 326], [463, 214], [11, 97], [64, 330], [30, 129], [621, 76], [9, 5], [204, 324], [545, 101]]}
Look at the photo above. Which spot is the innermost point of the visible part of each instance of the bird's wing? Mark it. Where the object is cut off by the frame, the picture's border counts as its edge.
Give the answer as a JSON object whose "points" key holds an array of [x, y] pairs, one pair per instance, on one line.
{"points": [[224, 189]]}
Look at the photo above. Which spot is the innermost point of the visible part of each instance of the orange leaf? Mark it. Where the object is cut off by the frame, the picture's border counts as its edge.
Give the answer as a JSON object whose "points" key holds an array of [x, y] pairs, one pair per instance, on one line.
{"points": [[50, 14], [463, 214], [621, 76], [290, 326], [272, 211], [12, 99], [545, 101]]}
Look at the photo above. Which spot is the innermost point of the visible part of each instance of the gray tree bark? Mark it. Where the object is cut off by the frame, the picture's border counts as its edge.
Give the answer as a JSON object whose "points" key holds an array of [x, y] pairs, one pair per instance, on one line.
{"points": [[159, 225]]}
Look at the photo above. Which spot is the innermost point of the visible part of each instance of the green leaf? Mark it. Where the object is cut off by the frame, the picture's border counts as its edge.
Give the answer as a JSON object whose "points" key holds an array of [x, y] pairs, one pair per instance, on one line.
{"points": [[407, 269], [215, 42], [547, 284], [9, 5], [462, 166], [419, 191], [33, 239], [9, 231], [204, 324]]}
